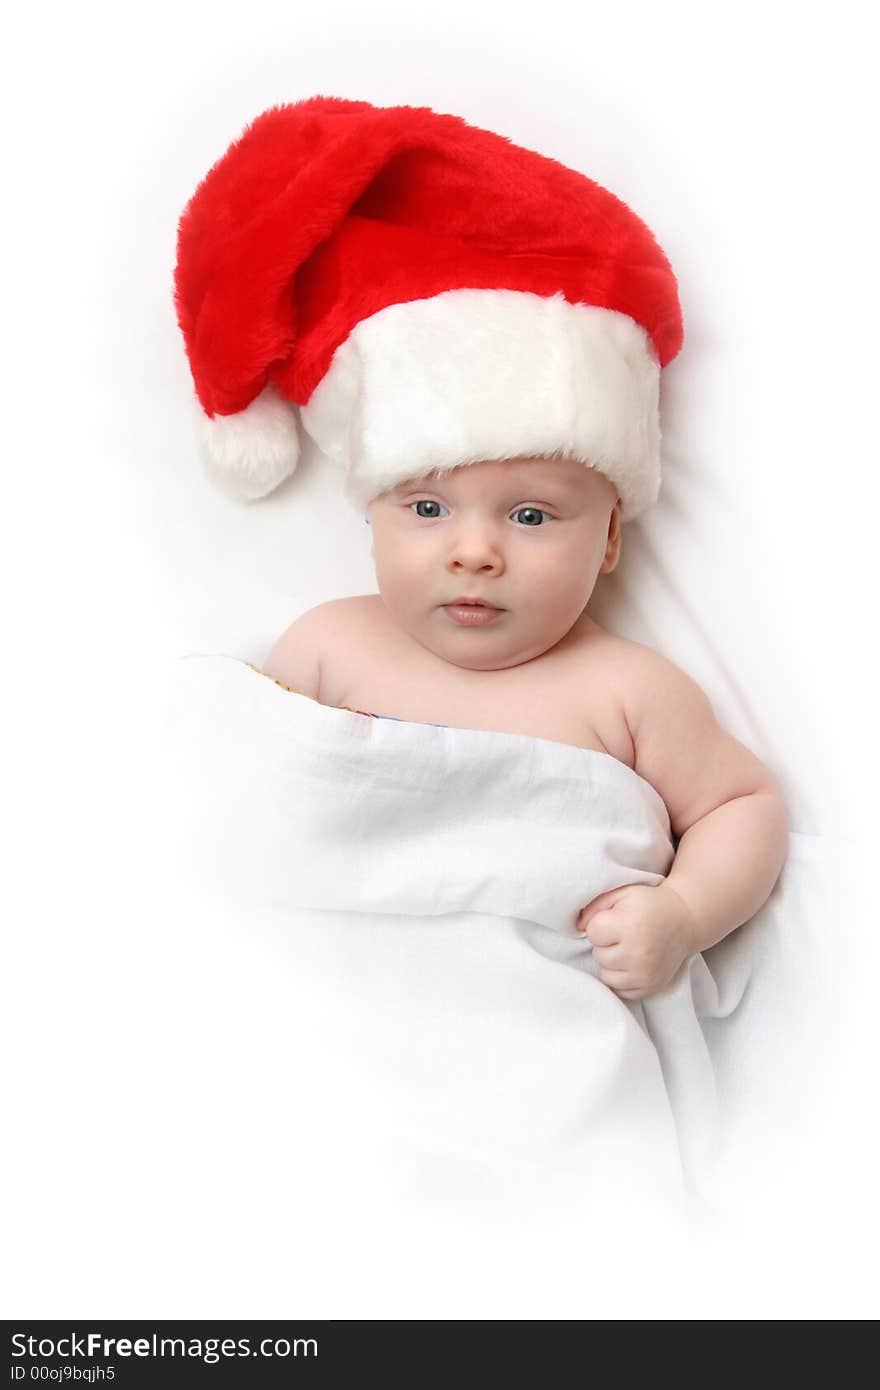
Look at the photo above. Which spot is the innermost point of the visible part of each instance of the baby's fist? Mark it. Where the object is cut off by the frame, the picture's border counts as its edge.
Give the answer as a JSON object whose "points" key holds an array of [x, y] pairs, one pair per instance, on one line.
{"points": [[641, 935]]}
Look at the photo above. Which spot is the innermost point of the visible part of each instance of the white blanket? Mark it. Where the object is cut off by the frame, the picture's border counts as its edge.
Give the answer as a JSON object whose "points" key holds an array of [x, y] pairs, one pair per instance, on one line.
{"points": [[427, 881]]}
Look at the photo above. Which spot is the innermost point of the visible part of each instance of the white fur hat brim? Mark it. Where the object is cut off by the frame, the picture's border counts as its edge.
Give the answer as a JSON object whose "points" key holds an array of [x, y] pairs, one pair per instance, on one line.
{"points": [[431, 384]]}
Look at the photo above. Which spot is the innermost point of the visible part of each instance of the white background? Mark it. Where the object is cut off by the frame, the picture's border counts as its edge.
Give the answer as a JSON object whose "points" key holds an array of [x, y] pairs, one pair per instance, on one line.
{"points": [[742, 137]]}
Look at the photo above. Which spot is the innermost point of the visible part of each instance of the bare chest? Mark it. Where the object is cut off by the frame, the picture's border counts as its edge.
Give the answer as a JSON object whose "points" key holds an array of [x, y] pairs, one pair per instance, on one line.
{"points": [[570, 695]]}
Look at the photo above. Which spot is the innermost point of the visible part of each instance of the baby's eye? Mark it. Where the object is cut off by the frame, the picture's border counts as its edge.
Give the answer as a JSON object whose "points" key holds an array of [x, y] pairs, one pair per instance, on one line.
{"points": [[535, 511], [429, 502], [426, 502]]}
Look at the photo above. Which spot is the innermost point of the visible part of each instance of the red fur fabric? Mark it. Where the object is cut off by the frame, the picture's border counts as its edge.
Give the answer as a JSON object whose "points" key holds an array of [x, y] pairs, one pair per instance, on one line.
{"points": [[326, 211]]}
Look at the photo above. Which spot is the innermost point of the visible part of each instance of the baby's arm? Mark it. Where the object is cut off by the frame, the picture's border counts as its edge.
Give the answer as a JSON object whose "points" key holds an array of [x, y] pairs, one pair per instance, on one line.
{"points": [[724, 804]]}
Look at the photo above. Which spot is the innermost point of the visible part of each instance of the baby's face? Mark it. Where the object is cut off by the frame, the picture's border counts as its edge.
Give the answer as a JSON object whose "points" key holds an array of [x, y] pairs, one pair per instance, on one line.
{"points": [[530, 536]]}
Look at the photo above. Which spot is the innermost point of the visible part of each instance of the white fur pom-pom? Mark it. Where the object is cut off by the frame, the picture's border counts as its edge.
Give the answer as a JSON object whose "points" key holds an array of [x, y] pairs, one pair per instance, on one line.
{"points": [[255, 449]]}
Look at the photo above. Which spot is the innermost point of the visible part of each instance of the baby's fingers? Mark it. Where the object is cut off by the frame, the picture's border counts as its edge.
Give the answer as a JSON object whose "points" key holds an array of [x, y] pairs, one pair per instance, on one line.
{"points": [[603, 929], [610, 957], [616, 979], [621, 982]]}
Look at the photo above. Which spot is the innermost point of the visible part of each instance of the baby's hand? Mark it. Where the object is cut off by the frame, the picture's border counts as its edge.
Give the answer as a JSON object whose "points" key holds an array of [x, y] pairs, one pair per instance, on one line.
{"points": [[640, 936]]}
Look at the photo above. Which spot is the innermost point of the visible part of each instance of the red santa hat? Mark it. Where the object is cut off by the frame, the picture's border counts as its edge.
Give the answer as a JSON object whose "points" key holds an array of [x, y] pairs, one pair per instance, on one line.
{"points": [[416, 294]]}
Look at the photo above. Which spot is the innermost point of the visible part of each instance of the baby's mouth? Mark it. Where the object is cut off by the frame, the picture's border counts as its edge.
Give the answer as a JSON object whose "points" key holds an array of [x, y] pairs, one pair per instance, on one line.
{"points": [[470, 614], [473, 603]]}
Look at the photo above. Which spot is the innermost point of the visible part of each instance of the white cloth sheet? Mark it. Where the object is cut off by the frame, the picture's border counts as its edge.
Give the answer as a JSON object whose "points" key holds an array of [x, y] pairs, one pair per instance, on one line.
{"points": [[426, 881]]}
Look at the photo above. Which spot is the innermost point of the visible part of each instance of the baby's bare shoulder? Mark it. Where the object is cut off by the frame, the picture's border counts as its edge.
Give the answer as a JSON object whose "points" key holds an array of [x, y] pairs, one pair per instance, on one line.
{"points": [[643, 679], [600, 644], [301, 655], [608, 666], [616, 664]]}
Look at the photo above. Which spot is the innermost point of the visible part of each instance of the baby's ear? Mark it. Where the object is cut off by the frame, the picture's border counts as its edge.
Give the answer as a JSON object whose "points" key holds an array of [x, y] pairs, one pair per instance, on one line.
{"points": [[612, 548]]}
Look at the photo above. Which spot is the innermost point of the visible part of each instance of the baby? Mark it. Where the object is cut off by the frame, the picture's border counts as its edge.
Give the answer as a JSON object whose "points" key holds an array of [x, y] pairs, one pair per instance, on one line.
{"points": [[476, 334], [481, 622]]}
